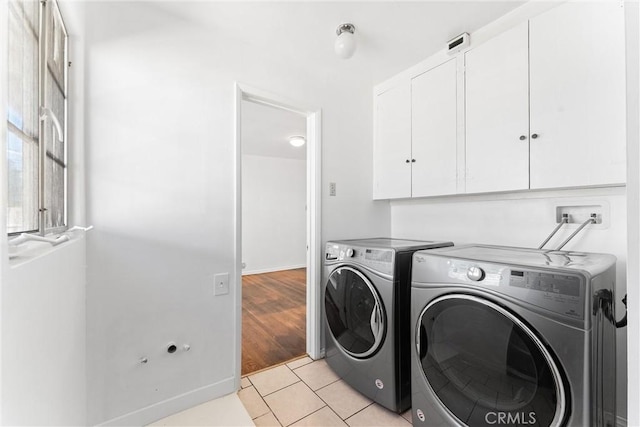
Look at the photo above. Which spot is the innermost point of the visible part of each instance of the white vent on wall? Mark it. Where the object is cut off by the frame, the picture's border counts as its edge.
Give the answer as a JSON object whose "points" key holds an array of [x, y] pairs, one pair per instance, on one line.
{"points": [[458, 43]]}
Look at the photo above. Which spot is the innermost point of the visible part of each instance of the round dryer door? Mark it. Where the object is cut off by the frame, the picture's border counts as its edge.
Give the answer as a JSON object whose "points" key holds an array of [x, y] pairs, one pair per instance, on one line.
{"points": [[354, 312], [486, 366]]}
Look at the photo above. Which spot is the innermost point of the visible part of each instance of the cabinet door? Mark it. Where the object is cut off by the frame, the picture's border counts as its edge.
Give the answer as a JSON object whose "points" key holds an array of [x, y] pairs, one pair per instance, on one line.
{"points": [[392, 144], [433, 131], [497, 113], [578, 95]]}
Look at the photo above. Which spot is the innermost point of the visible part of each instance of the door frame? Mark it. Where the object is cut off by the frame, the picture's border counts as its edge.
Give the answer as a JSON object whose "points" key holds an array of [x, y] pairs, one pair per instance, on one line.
{"points": [[313, 260]]}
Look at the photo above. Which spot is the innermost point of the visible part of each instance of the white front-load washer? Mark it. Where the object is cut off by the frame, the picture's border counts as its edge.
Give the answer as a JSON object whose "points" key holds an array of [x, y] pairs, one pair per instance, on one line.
{"points": [[366, 315], [512, 336]]}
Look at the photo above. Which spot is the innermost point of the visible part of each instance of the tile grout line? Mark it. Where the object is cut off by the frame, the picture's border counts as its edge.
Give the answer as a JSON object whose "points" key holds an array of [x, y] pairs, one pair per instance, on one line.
{"points": [[309, 414], [329, 406], [273, 413], [281, 388], [315, 391], [326, 404], [333, 382], [261, 398], [299, 380], [285, 363], [312, 391], [357, 412]]}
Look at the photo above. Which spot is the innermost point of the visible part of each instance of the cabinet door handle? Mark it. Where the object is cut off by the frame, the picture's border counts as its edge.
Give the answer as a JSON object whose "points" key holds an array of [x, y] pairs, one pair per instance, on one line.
{"points": [[413, 160], [534, 135], [522, 137], [406, 161]]}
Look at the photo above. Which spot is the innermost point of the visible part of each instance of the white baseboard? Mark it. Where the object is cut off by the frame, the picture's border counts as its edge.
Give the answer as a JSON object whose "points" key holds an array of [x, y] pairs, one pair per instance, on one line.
{"points": [[273, 269], [174, 405]]}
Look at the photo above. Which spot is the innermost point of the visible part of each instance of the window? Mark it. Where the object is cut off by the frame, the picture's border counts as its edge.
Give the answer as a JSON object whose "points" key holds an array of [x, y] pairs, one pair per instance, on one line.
{"points": [[36, 118]]}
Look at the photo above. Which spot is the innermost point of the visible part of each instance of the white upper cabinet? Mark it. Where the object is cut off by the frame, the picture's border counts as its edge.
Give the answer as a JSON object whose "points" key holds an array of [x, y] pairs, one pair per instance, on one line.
{"points": [[577, 68], [545, 102], [415, 146], [541, 105], [392, 143], [433, 131], [497, 113]]}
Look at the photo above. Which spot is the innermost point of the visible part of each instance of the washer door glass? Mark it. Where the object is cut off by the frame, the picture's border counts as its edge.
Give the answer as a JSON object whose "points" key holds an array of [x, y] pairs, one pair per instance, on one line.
{"points": [[354, 312], [486, 366]]}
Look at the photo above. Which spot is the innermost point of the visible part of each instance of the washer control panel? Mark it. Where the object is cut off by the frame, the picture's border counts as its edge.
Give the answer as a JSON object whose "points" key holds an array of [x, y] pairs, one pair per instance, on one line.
{"points": [[377, 259]]}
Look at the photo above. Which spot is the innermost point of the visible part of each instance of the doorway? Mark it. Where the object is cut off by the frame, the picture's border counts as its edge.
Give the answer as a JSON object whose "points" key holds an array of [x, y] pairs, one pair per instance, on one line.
{"points": [[274, 255], [274, 196]]}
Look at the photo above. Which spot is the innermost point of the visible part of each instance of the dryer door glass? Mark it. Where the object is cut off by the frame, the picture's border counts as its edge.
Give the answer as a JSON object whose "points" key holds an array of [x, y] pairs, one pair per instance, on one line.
{"points": [[354, 312], [486, 366]]}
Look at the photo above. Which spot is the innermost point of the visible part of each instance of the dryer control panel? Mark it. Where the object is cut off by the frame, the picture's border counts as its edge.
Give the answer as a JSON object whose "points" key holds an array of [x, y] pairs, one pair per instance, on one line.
{"points": [[559, 292]]}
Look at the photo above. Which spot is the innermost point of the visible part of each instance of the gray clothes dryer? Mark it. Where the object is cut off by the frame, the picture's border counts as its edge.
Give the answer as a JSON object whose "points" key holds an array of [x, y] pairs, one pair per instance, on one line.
{"points": [[512, 336], [366, 315]]}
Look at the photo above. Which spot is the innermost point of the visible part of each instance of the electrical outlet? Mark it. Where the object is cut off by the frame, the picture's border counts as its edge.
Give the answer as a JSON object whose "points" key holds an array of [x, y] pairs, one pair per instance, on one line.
{"points": [[332, 189], [221, 282]]}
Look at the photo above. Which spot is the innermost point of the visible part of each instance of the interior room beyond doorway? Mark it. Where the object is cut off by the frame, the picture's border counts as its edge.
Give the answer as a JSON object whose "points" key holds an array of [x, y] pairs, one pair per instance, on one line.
{"points": [[273, 318], [274, 236]]}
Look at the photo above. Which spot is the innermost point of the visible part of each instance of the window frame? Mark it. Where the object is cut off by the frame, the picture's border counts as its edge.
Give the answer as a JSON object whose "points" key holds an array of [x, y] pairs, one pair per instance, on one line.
{"points": [[49, 14], [55, 12]]}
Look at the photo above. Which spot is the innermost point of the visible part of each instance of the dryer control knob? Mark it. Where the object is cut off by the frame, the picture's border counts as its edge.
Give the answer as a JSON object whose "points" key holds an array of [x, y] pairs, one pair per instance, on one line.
{"points": [[350, 253], [475, 273]]}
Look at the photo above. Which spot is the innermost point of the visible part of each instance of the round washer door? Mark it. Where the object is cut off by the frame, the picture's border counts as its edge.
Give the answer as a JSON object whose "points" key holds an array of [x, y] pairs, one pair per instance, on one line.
{"points": [[354, 312], [486, 366]]}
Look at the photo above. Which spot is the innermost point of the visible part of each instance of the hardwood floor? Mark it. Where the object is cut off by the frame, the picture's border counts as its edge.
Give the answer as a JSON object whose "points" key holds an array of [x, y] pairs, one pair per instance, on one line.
{"points": [[273, 318]]}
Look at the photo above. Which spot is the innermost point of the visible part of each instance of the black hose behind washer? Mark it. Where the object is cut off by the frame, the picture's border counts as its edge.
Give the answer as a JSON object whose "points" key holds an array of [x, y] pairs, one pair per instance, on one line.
{"points": [[623, 322], [603, 301]]}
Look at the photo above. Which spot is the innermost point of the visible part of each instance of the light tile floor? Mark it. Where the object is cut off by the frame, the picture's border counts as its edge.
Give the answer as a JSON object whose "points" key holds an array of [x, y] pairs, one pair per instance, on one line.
{"points": [[308, 393], [225, 411]]}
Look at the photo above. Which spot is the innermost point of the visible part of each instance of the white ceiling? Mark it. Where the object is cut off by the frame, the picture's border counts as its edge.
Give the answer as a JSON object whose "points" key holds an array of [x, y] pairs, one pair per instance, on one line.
{"points": [[391, 36], [266, 131]]}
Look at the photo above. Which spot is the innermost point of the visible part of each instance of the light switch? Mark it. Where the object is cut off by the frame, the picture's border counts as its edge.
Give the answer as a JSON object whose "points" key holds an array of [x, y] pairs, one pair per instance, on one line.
{"points": [[332, 189]]}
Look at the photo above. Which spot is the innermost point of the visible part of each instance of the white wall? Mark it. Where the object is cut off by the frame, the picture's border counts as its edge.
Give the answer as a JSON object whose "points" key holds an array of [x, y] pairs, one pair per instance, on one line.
{"points": [[43, 358], [525, 220], [160, 166], [273, 213], [43, 339]]}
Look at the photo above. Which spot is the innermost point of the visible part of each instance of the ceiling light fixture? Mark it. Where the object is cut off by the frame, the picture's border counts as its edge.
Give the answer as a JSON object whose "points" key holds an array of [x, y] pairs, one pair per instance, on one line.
{"points": [[297, 141], [345, 44]]}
